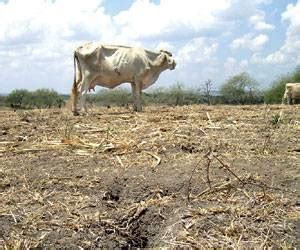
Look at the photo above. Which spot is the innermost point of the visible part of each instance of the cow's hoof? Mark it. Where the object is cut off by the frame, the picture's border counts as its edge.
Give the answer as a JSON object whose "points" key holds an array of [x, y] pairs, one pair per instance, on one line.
{"points": [[75, 113], [137, 109]]}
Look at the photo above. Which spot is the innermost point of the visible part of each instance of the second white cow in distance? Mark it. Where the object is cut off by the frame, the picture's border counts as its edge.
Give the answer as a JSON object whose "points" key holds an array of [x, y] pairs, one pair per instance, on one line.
{"points": [[291, 93]]}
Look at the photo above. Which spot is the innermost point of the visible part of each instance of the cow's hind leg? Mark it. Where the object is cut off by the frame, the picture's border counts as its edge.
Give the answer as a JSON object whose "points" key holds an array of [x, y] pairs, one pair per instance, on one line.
{"points": [[76, 98], [83, 93], [136, 93]]}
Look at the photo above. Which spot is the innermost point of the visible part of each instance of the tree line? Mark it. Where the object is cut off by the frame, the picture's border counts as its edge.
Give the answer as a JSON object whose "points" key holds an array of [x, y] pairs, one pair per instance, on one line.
{"points": [[238, 89]]}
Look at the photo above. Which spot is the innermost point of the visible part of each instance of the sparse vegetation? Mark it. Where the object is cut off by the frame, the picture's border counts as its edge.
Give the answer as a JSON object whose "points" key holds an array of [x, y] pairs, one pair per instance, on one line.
{"points": [[119, 97], [175, 95]]}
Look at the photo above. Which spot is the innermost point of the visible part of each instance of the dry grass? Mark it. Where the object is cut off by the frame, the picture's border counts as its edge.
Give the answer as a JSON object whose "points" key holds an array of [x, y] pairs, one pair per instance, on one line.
{"points": [[194, 176]]}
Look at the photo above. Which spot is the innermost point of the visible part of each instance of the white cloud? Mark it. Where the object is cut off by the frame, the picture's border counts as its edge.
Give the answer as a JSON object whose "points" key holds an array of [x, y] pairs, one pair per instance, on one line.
{"points": [[292, 43], [258, 21], [145, 19], [263, 1], [38, 20], [274, 58], [198, 50], [165, 46], [42, 34], [232, 66], [289, 51], [249, 42]]}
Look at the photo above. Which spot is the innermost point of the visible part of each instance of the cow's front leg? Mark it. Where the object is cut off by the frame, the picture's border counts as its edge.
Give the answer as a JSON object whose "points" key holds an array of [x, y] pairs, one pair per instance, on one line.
{"points": [[136, 94]]}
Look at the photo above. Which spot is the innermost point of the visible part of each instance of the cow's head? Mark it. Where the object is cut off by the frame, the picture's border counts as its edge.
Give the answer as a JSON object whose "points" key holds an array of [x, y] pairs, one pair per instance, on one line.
{"points": [[168, 60]]}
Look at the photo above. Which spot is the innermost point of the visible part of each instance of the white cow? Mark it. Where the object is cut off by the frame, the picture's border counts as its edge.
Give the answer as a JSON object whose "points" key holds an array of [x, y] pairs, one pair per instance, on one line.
{"points": [[111, 65], [292, 93]]}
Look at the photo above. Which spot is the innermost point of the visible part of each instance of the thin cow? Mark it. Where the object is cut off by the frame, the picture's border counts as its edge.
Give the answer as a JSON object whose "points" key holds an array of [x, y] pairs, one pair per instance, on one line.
{"points": [[111, 65], [291, 93]]}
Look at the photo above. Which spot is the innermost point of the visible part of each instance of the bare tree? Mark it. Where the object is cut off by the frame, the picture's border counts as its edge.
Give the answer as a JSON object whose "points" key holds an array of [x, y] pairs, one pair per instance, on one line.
{"points": [[207, 90]]}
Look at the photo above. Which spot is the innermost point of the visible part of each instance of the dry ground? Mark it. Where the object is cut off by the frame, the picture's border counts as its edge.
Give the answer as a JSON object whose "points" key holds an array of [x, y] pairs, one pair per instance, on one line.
{"points": [[219, 176]]}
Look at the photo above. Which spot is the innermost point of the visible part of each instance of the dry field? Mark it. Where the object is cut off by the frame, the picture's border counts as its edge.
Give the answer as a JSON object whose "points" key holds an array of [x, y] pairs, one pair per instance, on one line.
{"points": [[192, 176]]}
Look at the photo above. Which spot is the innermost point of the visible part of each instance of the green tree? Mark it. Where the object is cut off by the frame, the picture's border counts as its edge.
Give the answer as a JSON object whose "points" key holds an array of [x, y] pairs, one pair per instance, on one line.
{"points": [[240, 89], [16, 98]]}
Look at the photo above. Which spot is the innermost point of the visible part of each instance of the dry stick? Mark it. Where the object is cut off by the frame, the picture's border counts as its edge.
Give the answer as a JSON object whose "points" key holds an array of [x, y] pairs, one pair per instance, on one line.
{"points": [[190, 180], [208, 117], [216, 188], [208, 166], [228, 169], [267, 139], [266, 239], [193, 171], [13, 216], [120, 161]]}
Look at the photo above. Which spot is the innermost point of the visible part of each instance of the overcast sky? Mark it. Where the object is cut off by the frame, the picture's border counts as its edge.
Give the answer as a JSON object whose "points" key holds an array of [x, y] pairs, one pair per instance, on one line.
{"points": [[209, 39]]}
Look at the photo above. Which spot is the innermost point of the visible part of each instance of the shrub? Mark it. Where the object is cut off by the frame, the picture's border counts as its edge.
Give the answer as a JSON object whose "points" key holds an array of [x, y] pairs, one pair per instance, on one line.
{"points": [[16, 98], [119, 97], [175, 95], [41, 98]]}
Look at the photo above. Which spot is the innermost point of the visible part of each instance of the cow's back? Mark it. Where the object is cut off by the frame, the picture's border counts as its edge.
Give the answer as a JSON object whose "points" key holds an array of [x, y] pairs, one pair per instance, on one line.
{"points": [[130, 61], [111, 65]]}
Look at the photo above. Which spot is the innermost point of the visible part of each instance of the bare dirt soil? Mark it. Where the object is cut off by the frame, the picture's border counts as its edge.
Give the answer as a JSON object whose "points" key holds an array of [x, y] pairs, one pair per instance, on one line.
{"points": [[192, 176]]}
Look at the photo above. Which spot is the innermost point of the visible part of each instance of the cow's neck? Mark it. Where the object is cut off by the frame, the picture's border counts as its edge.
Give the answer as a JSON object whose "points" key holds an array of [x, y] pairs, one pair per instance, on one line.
{"points": [[158, 69], [155, 72]]}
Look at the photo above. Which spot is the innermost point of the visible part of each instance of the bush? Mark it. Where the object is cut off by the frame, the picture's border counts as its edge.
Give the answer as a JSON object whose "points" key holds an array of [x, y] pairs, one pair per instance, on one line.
{"points": [[16, 98], [119, 97], [41, 98], [45, 98], [175, 95], [2, 100]]}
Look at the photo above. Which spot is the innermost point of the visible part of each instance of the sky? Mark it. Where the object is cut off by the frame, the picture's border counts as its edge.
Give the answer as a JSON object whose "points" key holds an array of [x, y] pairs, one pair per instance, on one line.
{"points": [[213, 39]]}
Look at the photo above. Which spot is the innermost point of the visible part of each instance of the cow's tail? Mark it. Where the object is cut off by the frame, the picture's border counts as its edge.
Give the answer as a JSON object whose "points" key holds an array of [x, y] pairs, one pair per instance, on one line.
{"points": [[76, 82]]}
